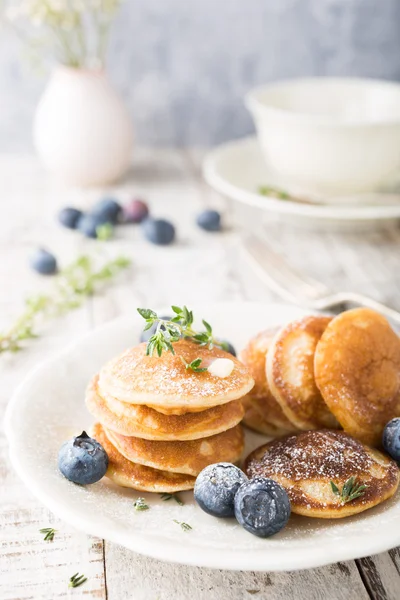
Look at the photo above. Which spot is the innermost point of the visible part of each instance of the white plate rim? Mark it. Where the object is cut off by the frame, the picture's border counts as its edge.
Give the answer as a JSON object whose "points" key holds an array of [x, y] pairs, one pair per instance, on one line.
{"points": [[218, 182], [250, 560]]}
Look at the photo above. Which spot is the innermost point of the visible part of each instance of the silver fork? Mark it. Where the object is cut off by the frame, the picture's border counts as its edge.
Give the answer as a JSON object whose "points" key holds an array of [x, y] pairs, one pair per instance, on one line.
{"points": [[302, 289]]}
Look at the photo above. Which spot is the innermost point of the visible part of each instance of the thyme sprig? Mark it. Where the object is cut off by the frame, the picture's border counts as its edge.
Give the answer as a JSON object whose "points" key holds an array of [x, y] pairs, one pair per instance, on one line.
{"points": [[76, 580], [75, 283], [180, 326], [140, 504], [184, 526], [165, 497], [350, 490], [48, 533]]}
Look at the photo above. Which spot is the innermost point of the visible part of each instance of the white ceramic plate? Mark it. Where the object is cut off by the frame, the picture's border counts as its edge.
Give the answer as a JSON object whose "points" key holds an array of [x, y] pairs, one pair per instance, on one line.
{"points": [[48, 408], [237, 170]]}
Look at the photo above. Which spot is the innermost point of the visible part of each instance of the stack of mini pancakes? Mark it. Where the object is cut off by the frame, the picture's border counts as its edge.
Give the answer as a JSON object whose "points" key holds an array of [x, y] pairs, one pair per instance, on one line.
{"points": [[162, 423], [322, 372]]}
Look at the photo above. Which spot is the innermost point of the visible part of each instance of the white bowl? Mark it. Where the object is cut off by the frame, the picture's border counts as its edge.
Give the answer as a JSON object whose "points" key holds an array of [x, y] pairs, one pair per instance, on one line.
{"points": [[329, 134]]}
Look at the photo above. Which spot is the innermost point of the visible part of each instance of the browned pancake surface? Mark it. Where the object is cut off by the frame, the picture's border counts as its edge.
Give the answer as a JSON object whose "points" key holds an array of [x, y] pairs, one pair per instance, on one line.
{"points": [[290, 372], [306, 463], [357, 369], [260, 398], [132, 475], [135, 378], [144, 422], [181, 457]]}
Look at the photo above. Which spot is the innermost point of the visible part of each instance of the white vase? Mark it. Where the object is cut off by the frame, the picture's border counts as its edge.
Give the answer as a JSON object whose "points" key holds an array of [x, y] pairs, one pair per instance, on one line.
{"points": [[82, 130]]}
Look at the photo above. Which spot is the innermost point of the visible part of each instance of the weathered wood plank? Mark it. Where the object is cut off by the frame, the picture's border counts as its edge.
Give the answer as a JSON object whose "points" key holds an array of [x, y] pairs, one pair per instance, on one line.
{"points": [[130, 575]]}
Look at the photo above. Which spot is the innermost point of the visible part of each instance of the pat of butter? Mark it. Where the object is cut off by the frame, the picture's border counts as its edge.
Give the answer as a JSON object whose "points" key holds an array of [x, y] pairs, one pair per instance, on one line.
{"points": [[221, 367]]}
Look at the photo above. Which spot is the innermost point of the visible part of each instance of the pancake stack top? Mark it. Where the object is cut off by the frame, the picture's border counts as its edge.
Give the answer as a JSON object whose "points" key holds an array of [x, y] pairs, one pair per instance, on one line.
{"points": [[162, 423]]}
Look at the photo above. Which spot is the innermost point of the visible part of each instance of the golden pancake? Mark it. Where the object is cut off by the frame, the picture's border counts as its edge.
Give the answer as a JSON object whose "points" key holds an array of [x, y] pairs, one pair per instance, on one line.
{"points": [[357, 370], [144, 422], [132, 475], [181, 457], [164, 381], [260, 397], [253, 420], [290, 373], [305, 465]]}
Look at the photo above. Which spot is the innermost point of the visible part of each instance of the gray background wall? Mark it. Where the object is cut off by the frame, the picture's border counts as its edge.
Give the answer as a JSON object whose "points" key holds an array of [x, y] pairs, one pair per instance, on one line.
{"points": [[183, 66]]}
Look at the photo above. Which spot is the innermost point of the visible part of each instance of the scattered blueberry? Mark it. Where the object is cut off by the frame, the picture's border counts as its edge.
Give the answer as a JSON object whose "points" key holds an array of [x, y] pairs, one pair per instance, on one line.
{"points": [[228, 347], [135, 211], [146, 335], [107, 209], [83, 460], [391, 438], [69, 217], [159, 231], [43, 262], [210, 220], [88, 224], [215, 488], [262, 506]]}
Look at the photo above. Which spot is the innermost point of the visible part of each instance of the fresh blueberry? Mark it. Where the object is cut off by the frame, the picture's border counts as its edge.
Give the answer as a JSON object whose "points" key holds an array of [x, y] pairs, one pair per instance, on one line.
{"points": [[210, 220], [108, 209], [146, 335], [135, 211], [83, 460], [227, 346], [88, 224], [215, 488], [43, 262], [262, 506], [158, 231], [391, 438], [69, 217]]}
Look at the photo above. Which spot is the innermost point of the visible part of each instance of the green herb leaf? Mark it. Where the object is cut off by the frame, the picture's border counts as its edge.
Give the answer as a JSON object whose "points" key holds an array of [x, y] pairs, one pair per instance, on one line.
{"points": [[266, 190], [104, 232], [350, 490], [76, 580], [165, 497], [335, 488], [140, 504], [48, 533], [184, 526], [170, 331], [70, 288], [146, 313]]}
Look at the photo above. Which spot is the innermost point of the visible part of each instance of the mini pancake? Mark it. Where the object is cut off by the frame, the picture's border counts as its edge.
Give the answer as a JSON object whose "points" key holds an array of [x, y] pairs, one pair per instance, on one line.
{"points": [[290, 373], [132, 475], [307, 463], [164, 381], [181, 457], [260, 397], [144, 422], [253, 420], [357, 370]]}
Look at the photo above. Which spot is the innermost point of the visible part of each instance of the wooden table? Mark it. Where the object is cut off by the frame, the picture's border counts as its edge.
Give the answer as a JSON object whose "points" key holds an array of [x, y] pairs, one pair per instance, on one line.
{"points": [[199, 267]]}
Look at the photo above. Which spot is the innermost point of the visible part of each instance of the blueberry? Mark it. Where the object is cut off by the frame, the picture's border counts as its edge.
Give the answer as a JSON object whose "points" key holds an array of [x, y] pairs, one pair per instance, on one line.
{"points": [[262, 506], [88, 224], [43, 262], [215, 488], [83, 460], [107, 209], [391, 438], [146, 335], [227, 346], [135, 211], [210, 220], [69, 217], [159, 231]]}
